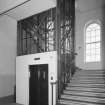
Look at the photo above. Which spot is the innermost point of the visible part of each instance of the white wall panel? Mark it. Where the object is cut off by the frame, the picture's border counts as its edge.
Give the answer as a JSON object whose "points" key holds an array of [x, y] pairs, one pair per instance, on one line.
{"points": [[8, 32], [22, 74]]}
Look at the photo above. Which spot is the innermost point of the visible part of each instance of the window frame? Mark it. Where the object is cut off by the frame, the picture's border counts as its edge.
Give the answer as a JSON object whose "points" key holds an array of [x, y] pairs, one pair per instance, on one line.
{"points": [[85, 28]]}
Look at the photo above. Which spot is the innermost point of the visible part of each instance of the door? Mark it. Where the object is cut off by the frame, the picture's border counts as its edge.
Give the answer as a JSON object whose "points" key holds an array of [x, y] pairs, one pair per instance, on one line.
{"points": [[38, 85]]}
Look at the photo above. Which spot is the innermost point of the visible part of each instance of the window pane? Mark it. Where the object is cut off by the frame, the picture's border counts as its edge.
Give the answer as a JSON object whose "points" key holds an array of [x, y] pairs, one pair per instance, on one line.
{"points": [[92, 52], [87, 34], [97, 38], [87, 58], [98, 51], [87, 40], [93, 33], [88, 46], [98, 32], [93, 43], [98, 45], [97, 58], [88, 52], [93, 39], [92, 46]]}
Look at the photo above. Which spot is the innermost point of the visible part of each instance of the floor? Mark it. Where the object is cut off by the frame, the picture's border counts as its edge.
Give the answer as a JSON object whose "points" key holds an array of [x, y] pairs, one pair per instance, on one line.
{"points": [[9, 100], [11, 104]]}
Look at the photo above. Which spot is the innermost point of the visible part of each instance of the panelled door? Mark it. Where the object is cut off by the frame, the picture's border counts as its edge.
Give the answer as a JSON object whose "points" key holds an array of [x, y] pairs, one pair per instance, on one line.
{"points": [[38, 84]]}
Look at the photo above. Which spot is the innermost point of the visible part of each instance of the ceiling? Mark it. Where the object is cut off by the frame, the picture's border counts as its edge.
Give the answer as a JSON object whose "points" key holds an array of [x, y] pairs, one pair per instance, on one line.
{"points": [[35, 6], [29, 8]]}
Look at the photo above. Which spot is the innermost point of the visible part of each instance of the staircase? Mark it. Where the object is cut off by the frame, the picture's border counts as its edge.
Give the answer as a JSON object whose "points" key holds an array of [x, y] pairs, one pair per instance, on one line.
{"points": [[87, 87]]}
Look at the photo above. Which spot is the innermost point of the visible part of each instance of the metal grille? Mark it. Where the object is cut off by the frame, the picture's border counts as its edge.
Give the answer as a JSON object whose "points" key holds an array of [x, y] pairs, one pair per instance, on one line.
{"points": [[36, 34], [65, 35]]}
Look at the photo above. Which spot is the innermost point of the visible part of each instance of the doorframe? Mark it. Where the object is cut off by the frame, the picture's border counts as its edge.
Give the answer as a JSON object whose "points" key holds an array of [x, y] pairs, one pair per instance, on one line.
{"points": [[37, 70]]}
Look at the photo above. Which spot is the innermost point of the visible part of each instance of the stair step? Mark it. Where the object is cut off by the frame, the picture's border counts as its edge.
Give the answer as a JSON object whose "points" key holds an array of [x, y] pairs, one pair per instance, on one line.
{"points": [[86, 77], [90, 94], [87, 81], [73, 83], [70, 102], [93, 71], [86, 89], [87, 85], [90, 72], [82, 98], [94, 74], [89, 76]]}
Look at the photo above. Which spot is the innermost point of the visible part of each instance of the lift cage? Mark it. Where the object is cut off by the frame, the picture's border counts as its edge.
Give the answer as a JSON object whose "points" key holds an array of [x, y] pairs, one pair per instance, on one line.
{"points": [[51, 30]]}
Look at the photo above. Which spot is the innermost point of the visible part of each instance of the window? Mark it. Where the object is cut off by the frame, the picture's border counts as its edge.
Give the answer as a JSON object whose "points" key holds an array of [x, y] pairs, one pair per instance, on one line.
{"points": [[92, 42]]}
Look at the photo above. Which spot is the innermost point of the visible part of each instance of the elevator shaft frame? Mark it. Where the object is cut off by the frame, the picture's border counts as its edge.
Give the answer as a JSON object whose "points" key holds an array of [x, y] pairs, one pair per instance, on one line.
{"points": [[51, 30]]}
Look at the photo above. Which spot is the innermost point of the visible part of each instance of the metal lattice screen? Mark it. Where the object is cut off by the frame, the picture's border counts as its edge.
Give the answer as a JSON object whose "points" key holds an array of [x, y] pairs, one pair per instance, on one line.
{"points": [[65, 34], [37, 33]]}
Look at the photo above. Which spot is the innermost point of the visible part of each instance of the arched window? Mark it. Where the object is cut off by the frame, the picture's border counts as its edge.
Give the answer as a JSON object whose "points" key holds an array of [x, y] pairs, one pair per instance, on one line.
{"points": [[92, 42]]}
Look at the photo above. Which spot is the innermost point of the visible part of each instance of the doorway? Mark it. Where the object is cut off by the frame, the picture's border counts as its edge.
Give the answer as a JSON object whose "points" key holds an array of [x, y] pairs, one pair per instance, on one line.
{"points": [[38, 84]]}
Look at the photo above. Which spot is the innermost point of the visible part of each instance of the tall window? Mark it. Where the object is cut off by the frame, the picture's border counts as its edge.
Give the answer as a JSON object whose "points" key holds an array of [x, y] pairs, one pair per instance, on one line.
{"points": [[92, 42]]}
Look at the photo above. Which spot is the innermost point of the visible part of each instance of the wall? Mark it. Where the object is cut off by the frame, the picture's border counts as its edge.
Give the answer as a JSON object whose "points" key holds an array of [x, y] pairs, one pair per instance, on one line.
{"points": [[81, 19], [7, 55]]}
